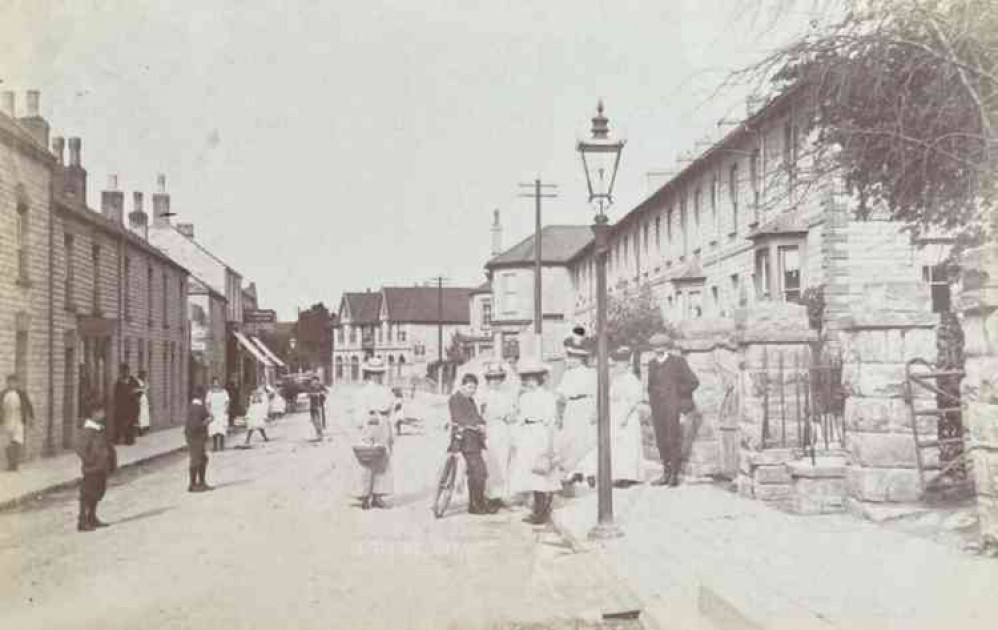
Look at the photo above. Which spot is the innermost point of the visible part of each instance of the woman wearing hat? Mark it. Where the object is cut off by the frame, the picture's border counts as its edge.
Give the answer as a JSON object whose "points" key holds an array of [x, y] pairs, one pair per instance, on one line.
{"points": [[671, 384], [534, 466], [373, 406], [577, 396], [498, 409]]}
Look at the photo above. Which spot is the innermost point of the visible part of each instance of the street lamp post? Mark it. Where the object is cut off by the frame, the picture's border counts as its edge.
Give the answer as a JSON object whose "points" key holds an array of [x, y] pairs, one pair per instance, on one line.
{"points": [[600, 158]]}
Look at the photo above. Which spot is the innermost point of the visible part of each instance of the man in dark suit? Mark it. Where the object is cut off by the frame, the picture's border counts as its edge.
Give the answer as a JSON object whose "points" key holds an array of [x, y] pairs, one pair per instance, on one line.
{"points": [[127, 392], [671, 384], [466, 418]]}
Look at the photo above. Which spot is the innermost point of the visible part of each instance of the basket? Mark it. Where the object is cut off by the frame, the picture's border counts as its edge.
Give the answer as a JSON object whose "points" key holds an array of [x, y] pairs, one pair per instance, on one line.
{"points": [[369, 454]]}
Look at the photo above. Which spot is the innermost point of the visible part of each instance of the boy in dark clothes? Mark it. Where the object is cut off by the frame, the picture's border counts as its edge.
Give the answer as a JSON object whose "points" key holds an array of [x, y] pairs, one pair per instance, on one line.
{"points": [[98, 459], [196, 434]]}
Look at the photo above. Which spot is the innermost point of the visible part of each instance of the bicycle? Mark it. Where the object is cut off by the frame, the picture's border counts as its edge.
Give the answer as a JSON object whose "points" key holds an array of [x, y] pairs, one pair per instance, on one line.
{"points": [[447, 479]]}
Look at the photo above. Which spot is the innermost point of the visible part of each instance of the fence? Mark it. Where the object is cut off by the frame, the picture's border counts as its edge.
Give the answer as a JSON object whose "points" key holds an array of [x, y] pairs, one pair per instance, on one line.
{"points": [[802, 400]]}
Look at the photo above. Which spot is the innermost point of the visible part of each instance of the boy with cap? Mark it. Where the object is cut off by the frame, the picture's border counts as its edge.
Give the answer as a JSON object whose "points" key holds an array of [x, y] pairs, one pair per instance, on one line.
{"points": [[196, 434], [98, 460]]}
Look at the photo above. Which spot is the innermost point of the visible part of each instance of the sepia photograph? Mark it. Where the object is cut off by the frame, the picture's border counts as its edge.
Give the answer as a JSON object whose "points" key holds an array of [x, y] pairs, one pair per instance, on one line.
{"points": [[468, 315]]}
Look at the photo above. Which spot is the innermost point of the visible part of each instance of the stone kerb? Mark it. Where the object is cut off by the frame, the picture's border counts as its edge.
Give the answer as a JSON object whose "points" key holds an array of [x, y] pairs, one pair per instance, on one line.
{"points": [[878, 337], [709, 347]]}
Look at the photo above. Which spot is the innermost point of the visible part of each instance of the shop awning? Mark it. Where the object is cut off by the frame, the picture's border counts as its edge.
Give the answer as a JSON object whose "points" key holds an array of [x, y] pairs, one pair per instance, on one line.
{"points": [[252, 349], [267, 351]]}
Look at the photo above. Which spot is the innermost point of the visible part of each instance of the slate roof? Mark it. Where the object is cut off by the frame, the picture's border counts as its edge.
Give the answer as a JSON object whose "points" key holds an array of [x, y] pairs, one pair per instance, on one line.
{"points": [[560, 244], [785, 223], [364, 308], [421, 305]]}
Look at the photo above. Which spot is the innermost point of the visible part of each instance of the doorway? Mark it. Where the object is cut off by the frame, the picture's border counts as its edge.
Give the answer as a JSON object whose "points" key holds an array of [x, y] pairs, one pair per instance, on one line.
{"points": [[69, 398]]}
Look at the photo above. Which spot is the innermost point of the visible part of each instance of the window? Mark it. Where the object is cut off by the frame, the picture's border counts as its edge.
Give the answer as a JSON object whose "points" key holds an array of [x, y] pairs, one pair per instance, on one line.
{"points": [[668, 226], [735, 299], [381, 334], [181, 300], [21, 357], [127, 352], [388, 332], [166, 321], [354, 368], [754, 180], [790, 272], [697, 200], [69, 241], [715, 225], [508, 303], [486, 315], [644, 243], [790, 153], [762, 274], [166, 375], [682, 225], [339, 364], [733, 194], [95, 261], [21, 241], [149, 293], [142, 354], [128, 290], [715, 301], [339, 336], [401, 333], [353, 335], [937, 278], [658, 233]]}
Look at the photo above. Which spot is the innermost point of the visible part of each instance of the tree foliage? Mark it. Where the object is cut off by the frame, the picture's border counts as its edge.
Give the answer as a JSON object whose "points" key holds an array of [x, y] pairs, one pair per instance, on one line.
{"points": [[905, 93], [633, 318]]}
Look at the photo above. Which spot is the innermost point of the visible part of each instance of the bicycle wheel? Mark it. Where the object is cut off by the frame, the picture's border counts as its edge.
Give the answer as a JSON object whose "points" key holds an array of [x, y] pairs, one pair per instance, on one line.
{"points": [[445, 486]]}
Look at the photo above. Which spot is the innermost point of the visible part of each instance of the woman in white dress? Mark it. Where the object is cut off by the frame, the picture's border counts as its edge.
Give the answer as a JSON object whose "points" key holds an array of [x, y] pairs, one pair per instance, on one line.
{"points": [[577, 395], [217, 402], [256, 415], [144, 418], [534, 466], [372, 406], [499, 410]]}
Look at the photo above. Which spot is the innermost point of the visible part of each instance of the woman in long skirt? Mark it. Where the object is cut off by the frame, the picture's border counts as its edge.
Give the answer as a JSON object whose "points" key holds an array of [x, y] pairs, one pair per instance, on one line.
{"points": [[498, 409], [256, 415], [577, 394], [144, 418], [373, 406], [218, 404], [534, 467]]}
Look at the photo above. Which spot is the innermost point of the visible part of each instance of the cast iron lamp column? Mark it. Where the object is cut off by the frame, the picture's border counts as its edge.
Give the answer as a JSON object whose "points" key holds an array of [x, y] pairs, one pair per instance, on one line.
{"points": [[600, 158]]}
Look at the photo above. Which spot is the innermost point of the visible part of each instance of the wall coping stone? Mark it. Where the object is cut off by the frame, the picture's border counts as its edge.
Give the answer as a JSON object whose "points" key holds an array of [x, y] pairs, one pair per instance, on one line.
{"points": [[824, 468], [888, 320]]}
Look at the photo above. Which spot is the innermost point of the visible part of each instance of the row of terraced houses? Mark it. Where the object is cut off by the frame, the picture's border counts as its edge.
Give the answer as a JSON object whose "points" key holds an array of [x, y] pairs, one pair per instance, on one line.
{"points": [[82, 291]]}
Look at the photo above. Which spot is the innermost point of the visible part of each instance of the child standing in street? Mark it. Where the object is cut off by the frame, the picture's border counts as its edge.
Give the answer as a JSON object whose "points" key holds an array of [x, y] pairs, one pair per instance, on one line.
{"points": [[196, 434], [256, 415], [218, 404], [98, 460]]}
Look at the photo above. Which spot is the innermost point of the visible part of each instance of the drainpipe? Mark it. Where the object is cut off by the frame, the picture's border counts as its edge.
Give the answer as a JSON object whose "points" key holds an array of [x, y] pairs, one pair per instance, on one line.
{"points": [[49, 448]]}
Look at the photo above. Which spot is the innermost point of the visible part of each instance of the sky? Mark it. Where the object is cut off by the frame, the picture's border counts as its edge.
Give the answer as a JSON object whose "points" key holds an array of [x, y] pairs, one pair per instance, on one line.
{"points": [[328, 146]]}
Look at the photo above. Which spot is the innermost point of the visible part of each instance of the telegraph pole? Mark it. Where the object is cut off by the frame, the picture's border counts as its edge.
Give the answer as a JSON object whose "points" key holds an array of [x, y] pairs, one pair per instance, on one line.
{"points": [[537, 195], [440, 330]]}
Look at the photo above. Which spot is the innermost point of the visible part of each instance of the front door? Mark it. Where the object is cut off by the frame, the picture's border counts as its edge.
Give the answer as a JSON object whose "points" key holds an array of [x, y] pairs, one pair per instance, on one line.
{"points": [[69, 399]]}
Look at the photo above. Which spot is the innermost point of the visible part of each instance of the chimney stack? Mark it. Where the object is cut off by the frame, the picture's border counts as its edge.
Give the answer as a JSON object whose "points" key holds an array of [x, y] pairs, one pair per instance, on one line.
{"points": [[8, 104], [112, 201], [76, 175], [187, 229], [59, 149], [161, 204], [138, 220], [33, 122], [496, 233]]}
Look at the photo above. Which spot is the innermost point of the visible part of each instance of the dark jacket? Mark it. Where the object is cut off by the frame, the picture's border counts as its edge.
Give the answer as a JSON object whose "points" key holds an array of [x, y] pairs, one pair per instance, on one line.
{"points": [[670, 387], [96, 452], [126, 399], [27, 411], [196, 427], [464, 414]]}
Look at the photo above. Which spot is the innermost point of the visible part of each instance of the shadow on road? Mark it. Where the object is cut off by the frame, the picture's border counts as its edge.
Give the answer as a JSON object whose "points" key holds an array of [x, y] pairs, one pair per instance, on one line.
{"points": [[143, 515]]}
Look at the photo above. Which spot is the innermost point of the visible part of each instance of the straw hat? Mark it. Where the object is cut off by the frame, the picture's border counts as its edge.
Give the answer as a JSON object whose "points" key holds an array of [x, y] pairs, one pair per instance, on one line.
{"points": [[495, 371], [529, 367], [661, 340], [374, 366], [623, 353]]}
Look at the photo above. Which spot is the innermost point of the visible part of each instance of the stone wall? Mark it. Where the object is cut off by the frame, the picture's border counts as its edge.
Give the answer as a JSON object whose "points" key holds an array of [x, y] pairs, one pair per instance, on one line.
{"points": [[893, 324]]}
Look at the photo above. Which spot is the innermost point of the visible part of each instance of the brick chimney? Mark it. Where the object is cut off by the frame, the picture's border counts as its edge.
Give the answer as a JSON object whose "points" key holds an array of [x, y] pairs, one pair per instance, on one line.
{"points": [[33, 122], [8, 104], [161, 204], [112, 201], [75, 180], [59, 149], [138, 220], [187, 229], [496, 233]]}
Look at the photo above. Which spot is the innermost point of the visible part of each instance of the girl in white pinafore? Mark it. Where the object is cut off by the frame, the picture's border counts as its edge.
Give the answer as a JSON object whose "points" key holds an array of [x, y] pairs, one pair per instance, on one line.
{"points": [[498, 409], [536, 413], [627, 461], [256, 415]]}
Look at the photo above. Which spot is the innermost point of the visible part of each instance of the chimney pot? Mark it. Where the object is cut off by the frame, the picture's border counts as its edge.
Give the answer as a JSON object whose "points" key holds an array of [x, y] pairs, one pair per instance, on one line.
{"points": [[112, 182], [74, 152], [113, 201], [9, 106], [187, 229], [59, 148], [33, 97]]}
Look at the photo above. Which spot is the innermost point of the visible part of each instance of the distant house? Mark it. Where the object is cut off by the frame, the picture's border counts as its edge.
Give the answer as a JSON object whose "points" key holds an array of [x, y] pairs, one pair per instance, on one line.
{"points": [[511, 276], [401, 325]]}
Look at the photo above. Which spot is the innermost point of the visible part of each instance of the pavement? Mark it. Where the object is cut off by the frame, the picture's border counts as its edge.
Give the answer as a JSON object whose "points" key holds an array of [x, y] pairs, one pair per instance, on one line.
{"points": [[281, 542], [700, 556]]}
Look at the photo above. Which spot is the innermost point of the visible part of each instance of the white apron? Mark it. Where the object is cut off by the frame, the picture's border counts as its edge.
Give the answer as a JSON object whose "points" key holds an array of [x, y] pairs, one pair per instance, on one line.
{"points": [[13, 426], [534, 432], [499, 413], [578, 431], [256, 415], [217, 403], [372, 409], [627, 452]]}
